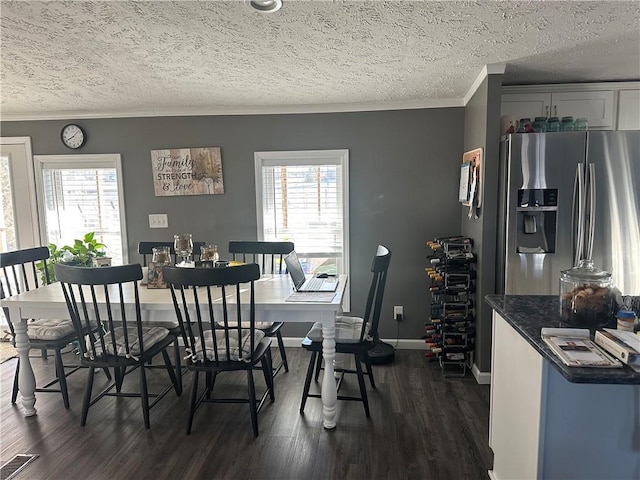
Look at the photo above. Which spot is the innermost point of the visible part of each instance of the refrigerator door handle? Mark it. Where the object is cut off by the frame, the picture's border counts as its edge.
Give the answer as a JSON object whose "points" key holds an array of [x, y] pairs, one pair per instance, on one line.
{"points": [[577, 220], [592, 209]]}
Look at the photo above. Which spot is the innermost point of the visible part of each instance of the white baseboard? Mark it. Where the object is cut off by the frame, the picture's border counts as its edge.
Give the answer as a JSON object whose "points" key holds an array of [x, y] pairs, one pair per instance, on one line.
{"points": [[483, 378], [400, 344]]}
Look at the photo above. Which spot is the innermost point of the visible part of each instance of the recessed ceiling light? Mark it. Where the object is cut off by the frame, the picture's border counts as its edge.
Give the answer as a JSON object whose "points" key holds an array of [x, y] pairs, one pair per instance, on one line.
{"points": [[265, 6]]}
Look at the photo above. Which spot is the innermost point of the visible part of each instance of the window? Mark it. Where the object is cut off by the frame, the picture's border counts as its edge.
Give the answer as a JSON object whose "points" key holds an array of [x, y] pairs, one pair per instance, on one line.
{"points": [[18, 219], [302, 197], [80, 194], [18, 216]]}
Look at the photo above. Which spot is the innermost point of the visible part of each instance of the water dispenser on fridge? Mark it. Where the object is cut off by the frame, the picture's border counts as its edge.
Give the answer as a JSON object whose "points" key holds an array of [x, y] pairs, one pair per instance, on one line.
{"points": [[537, 220]]}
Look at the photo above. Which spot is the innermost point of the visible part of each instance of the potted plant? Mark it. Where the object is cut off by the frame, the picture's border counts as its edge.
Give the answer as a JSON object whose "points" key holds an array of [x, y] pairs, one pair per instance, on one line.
{"points": [[87, 252]]}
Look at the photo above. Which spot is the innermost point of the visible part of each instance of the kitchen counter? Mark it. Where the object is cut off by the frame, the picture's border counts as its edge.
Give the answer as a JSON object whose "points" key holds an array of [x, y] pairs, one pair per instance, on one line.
{"points": [[549, 421], [528, 314]]}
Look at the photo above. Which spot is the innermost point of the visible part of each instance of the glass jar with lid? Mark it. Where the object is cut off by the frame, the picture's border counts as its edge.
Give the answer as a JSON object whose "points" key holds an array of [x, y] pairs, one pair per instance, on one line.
{"points": [[524, 126], [567, 124], [540, 124], [587, 296], [582, 124], [553, 124]]}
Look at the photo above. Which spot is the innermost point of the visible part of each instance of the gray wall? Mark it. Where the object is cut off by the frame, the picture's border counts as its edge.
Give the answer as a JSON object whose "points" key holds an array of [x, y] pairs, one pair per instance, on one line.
{"points": [[482, 129], [404, 175]]}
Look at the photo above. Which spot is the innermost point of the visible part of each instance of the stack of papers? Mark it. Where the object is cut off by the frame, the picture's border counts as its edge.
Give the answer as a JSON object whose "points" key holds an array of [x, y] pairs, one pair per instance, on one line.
{"points": [[574, 347]]}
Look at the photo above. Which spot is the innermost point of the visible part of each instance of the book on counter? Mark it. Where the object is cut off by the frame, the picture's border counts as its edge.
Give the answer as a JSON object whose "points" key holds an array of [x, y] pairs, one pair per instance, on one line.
{"points": [[576, 349], [625, 346]]}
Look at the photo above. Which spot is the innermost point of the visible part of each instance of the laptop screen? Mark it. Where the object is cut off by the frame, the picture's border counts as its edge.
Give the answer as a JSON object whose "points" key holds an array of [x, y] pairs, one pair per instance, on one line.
{"points": [[295, 269]]}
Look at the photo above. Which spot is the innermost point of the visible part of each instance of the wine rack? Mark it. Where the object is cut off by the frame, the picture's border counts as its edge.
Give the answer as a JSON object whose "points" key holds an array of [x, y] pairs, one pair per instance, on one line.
{"points": [[450, 331]]}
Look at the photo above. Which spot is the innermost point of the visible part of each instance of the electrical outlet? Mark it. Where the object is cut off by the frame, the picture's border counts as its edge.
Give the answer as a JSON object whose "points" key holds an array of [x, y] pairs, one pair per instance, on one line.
{"points": [[158, 220], [398, 313]]}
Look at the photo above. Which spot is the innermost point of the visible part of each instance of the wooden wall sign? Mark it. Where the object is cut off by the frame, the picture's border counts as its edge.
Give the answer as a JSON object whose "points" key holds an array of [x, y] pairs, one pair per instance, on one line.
{"points": [[187, 171]]}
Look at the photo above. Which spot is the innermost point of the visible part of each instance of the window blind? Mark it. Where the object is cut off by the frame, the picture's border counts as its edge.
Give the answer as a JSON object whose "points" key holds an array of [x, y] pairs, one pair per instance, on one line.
{"points": [[81, 200], [303, 204]]}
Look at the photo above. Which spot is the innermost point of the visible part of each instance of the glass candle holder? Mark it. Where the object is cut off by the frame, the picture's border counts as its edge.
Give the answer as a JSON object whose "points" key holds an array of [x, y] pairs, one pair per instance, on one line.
{"points": [[161, 255], [183, 245], [209, 255]]}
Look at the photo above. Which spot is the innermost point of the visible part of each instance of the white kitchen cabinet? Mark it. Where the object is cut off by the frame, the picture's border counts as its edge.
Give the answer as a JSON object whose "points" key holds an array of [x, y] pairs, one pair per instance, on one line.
{"points": [[597, 106], [526, 105], [629, 110]]}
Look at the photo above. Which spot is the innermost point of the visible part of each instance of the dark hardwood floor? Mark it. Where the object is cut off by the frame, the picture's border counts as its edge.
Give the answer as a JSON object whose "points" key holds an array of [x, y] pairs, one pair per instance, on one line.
{"points": [[422, 426]]}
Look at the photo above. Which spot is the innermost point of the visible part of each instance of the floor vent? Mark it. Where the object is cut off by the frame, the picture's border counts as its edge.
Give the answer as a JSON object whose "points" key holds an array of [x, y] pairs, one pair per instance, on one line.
{"points": [[16, 465]]}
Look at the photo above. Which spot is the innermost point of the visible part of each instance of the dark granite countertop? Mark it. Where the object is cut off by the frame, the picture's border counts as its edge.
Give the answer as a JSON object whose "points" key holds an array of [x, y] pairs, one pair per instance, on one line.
{"points": [[527, 314]]}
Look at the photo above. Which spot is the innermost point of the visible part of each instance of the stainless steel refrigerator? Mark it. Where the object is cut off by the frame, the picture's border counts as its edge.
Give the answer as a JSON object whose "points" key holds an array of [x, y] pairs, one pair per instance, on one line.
{"points": [[568, 196]]}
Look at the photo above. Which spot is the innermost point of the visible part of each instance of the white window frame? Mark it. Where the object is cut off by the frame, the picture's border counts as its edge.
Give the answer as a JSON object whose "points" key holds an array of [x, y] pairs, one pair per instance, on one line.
{"points": [[79, 161], [23, 190], [308, 157]]}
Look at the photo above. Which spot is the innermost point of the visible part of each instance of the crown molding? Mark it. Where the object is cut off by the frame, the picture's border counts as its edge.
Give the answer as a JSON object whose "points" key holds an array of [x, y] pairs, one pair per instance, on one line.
{"points": [[490, 69], [237, 110]]}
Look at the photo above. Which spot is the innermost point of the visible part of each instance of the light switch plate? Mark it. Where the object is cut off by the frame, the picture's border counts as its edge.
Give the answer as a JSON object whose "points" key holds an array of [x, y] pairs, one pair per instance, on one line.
{"points": [[158, 220]]}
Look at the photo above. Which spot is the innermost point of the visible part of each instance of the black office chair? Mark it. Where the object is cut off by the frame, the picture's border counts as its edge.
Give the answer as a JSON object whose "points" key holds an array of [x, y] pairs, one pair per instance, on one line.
{"points": [[146, 250], [355, 336], [125, 343], [19, 274], [270, 257], [231, 340]]}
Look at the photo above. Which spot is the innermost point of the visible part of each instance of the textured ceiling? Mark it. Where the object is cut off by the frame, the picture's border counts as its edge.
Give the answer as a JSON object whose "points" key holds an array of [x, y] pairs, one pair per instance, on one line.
{"points": [[100, 58]]}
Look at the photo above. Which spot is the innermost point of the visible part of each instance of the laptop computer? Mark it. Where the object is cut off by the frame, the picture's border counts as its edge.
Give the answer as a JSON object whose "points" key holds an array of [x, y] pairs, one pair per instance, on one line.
{"points": [[303, 284]]}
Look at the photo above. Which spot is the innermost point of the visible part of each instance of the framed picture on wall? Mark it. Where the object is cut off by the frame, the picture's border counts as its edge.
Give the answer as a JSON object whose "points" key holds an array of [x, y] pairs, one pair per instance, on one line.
{"points": [[187, 171]]}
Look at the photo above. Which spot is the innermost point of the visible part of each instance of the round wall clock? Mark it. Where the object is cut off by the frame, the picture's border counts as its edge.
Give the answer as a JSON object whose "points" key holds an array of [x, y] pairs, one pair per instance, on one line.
{"points": [[73, 136]]}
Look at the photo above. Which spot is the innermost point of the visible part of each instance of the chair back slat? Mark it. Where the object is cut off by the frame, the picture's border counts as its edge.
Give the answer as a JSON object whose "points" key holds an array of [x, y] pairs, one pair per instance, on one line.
{"points": [[19, 272], [373, 308], [269, 255], [214, 317], [121, 334]]}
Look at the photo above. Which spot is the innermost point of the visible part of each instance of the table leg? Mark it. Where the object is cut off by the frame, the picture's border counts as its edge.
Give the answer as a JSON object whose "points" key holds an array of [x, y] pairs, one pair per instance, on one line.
{"points": [[26, 378], [329, 390]]}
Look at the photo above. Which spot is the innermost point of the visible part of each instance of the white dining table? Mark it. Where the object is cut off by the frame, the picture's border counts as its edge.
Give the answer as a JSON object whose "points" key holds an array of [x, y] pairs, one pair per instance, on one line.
{"points": [[272, 293]]}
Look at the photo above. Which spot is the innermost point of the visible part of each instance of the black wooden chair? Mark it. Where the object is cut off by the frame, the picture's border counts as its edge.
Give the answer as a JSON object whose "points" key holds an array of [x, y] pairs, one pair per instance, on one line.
{"points": [[270, 257], [228, 345], [354, 336], [146, 250], [19, 274], [125, 343]]}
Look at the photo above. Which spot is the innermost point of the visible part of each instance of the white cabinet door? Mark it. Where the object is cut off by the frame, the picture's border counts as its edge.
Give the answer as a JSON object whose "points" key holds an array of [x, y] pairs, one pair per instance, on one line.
{"points": [[629, 110], [516, 408], [596, 106], [526, 105]]}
